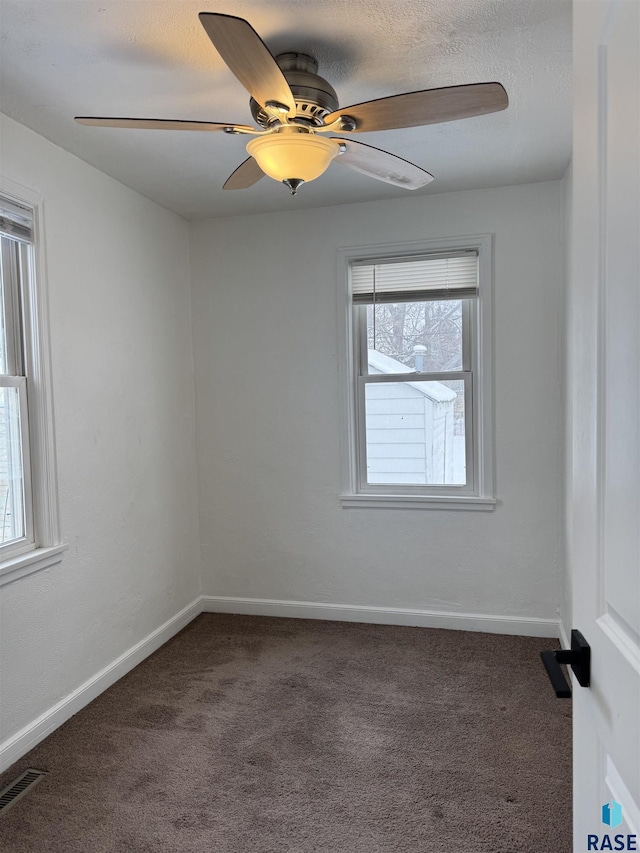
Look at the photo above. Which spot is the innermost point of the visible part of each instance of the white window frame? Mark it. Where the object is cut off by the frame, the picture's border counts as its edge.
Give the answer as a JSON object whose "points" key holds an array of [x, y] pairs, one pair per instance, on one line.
{"points": [[478, 493], [15, 264], [42, 545]]}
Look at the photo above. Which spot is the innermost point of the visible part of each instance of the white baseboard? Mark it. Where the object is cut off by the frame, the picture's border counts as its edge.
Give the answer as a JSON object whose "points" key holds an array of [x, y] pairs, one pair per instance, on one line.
{"points": [[19, 744], [519, 625]]}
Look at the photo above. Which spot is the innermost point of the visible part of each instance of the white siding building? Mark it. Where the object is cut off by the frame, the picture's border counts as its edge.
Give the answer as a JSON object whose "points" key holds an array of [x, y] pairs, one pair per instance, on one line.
{"points": [[410, 428]]}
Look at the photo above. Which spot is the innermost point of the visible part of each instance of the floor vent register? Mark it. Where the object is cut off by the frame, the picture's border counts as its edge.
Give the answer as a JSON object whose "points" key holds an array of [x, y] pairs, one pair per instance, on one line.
{"points": [[18, 788]]}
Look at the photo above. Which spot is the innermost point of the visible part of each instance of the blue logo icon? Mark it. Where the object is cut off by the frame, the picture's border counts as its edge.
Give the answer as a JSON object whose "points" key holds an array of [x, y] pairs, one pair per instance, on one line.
{"points": [[612, 814]]}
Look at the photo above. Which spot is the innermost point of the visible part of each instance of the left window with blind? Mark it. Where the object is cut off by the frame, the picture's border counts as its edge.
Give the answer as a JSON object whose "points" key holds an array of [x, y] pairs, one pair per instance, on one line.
{"points": [[29, 528]]}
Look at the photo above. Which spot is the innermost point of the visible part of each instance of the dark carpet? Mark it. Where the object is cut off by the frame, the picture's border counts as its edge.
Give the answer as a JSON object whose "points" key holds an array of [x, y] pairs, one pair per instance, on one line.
{"points": [[258, 735]]}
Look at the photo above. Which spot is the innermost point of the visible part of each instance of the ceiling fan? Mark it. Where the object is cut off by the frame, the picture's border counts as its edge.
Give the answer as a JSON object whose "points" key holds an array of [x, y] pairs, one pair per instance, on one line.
{"points": [[292, 105]]}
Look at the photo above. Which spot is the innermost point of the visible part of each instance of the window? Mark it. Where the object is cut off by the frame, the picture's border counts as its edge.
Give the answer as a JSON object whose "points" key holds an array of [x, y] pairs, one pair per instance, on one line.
{"points": [[16, 515], [417, 377], [29, 536]]}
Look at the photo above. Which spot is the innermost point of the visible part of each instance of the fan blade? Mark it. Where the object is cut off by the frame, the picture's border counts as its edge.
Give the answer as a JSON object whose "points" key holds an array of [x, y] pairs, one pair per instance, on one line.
{"points": [[429, 106], [248, 58], [246, 175], [158, 124], [382, 165]]}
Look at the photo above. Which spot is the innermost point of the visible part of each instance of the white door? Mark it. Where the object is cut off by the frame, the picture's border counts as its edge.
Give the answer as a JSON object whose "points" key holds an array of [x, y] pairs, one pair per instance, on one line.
{"points": [[603, 321]]}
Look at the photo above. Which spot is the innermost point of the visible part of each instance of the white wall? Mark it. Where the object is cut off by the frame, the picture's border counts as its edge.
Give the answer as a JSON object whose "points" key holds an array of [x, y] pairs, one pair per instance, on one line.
{"points": [[265, 345], [124, 407]]}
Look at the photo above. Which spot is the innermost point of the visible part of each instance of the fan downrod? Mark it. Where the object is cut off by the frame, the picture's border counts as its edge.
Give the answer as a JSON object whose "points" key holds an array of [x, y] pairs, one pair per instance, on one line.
{"points": [[315, 97]]}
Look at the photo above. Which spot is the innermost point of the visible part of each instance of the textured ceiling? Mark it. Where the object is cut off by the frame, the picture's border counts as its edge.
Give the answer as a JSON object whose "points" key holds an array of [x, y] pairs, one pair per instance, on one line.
{"points": [[152, 58]]}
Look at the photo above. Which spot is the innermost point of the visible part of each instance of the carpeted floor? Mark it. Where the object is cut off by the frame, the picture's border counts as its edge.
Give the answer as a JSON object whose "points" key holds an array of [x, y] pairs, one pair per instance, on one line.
{"points": [[256, 735]]}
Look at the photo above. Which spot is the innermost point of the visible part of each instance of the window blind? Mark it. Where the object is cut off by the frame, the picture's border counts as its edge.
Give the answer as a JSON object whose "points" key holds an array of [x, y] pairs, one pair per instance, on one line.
{"points": [[415, 279], [16, 221]]}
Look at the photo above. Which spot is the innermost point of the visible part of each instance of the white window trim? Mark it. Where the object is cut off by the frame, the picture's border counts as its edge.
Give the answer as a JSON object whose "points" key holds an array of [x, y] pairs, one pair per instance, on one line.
{"points": [[482, 416], [48, 547]]}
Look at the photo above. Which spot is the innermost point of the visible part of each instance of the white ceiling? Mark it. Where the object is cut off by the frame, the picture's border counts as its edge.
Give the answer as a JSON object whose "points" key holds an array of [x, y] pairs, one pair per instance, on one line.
{"points": [[152, 59]]}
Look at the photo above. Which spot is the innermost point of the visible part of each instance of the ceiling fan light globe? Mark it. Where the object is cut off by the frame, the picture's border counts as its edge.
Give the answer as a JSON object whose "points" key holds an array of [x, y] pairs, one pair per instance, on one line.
{"points": [[301, 157]]}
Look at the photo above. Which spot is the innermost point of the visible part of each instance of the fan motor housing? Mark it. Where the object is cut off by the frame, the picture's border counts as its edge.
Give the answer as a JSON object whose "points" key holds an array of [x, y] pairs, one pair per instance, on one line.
{"points": [[315, 98]]}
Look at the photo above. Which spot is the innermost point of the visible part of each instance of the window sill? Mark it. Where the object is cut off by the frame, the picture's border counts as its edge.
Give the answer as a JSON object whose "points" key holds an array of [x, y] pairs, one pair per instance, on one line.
{"points": [[468, 502], [33, 561]]}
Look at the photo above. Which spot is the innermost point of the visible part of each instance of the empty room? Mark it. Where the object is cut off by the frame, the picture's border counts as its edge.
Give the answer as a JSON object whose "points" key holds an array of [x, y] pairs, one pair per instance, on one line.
{"points": [[319, 426]]}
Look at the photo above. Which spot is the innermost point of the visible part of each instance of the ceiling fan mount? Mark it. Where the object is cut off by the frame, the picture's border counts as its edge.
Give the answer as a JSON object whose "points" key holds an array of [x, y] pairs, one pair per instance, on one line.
{"points": [[292, 105], [314, 96]]}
